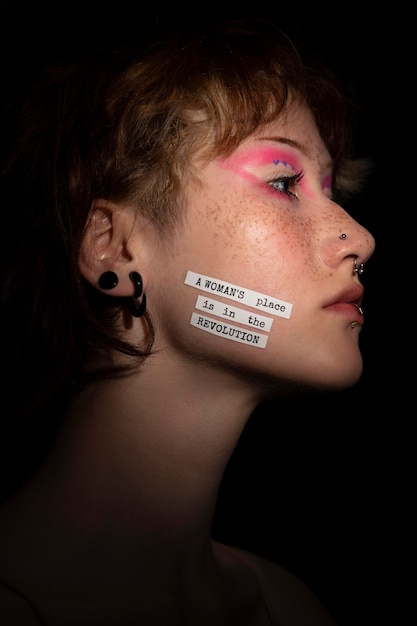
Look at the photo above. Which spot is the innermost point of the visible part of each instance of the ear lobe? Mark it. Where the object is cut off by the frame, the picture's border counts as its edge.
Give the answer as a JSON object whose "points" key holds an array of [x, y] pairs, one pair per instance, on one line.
{"points": [[104, 243]]}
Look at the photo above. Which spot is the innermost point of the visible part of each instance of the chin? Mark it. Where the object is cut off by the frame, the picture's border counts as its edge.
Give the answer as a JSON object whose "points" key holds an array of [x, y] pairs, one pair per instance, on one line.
{"points": [[321, 379], [334, 374], [343, 377]]}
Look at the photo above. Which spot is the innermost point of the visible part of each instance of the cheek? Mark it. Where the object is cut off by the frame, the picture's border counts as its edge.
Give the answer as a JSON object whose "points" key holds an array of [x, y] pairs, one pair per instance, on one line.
{"points": [[283, 251], [259, 235], [220, 224], [278, 236]]}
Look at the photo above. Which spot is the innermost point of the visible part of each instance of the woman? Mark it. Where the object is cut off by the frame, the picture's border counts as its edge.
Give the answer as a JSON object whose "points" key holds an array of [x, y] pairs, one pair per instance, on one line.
{"points": [[174, 231]]}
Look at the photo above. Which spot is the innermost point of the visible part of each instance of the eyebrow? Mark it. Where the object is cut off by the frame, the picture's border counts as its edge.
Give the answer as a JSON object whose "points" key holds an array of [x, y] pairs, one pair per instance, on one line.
{"points": [[290, 142], [301, 147]]}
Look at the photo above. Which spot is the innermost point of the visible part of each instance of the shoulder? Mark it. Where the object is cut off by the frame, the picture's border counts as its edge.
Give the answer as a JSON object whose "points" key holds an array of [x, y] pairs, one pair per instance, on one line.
{"points": [[14, 610], [289, 600]]}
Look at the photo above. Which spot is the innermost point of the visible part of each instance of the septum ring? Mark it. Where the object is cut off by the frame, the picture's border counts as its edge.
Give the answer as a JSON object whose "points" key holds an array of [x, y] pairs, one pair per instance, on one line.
{"points": [[359, 269]]}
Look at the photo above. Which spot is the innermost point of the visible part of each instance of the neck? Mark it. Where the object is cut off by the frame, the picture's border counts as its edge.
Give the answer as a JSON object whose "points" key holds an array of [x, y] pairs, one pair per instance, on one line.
{"points": [[152, 447], [131, 485]]}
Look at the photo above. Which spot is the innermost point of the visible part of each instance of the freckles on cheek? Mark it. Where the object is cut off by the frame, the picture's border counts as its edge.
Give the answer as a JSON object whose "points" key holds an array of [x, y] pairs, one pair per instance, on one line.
{"points": [[296, 243], [222, 220]]}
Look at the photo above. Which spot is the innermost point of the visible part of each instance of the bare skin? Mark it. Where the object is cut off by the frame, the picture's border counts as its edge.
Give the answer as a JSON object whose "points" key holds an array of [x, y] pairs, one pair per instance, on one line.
{"points": [[116, 526]]}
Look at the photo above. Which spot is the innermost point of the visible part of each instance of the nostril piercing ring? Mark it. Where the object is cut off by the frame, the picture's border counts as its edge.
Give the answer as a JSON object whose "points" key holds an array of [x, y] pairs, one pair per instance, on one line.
{"points": [[359, 269]]}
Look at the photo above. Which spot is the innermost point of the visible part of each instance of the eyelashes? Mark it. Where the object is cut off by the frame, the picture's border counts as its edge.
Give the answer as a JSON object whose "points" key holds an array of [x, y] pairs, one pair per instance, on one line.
{"points": [[287, 184]]}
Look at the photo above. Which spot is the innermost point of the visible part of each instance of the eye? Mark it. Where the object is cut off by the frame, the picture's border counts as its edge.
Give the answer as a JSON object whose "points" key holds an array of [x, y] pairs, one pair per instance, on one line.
{"points": [[287, 184]]}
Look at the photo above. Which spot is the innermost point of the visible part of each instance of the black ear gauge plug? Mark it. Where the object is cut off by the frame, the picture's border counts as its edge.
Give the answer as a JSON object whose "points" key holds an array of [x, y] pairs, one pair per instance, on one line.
{"points": [[108, 280]]}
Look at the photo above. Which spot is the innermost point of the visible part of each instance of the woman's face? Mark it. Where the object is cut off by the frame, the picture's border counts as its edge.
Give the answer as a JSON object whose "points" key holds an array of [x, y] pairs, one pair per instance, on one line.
{"points": [[260, 280]]}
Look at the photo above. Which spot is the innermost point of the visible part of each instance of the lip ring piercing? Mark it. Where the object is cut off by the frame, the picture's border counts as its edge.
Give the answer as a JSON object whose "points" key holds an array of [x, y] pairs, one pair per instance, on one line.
{"points": [[358, 269], [343, 236]]}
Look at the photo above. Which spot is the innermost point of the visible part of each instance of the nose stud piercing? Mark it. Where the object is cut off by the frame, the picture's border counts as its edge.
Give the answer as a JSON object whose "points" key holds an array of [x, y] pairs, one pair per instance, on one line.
{"points": [[343, 236], [359, 269]]}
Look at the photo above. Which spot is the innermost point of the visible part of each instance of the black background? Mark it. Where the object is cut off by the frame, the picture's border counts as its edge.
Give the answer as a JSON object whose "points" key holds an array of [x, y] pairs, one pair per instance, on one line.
{"points": [[321, 484]]}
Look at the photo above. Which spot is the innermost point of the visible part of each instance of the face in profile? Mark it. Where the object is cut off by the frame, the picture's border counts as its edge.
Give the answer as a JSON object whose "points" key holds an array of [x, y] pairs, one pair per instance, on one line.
{"points": [[266, 283]]}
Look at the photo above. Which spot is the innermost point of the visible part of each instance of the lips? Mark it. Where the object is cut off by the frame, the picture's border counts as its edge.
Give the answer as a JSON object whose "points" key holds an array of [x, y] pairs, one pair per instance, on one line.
{"points": [[349, 304]]}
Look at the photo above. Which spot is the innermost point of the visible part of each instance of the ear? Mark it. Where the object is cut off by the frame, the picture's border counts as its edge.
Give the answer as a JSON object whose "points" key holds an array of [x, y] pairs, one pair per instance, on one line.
{"points": [[108, 245]]}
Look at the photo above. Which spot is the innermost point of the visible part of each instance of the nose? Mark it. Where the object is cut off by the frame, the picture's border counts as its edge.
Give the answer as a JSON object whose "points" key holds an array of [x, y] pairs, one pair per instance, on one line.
{"points": [[345, 237]]}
